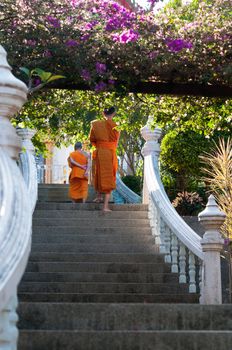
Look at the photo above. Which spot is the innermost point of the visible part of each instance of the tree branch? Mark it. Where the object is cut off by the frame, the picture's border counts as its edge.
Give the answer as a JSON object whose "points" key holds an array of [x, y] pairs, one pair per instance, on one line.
{"points": [[176, 89]]}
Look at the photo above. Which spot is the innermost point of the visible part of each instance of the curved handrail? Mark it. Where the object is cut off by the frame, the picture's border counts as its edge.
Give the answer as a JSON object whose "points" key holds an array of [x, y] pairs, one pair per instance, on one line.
{"points": [[15, 228], [167, 212], [128, 195]]}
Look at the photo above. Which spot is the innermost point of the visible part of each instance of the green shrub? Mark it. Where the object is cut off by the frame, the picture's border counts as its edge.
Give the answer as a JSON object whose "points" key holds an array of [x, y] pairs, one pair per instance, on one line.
{"points": [[133, 182]]}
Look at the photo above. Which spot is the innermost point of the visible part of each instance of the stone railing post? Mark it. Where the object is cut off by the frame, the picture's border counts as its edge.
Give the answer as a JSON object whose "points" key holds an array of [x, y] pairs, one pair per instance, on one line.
{"points": [[27, 163], [26, 135], [212, 219], [151, 147], [15, 223]]}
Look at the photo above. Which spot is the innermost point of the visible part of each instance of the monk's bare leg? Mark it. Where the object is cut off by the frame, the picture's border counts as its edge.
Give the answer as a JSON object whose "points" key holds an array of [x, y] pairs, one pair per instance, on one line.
{"points": [[106, 202]]}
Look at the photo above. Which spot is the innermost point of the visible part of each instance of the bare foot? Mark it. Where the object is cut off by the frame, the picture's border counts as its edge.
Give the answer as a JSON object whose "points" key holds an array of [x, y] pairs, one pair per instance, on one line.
{"points": [[106, 210], [98, 200]]}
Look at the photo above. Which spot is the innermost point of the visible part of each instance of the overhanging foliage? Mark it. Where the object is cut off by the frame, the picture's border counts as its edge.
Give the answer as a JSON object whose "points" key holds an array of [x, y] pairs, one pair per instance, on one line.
{"points": [[99, 45]]}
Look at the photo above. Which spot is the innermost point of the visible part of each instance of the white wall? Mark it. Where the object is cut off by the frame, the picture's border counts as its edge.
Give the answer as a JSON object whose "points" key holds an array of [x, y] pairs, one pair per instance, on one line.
{"points": [[60, 168]]}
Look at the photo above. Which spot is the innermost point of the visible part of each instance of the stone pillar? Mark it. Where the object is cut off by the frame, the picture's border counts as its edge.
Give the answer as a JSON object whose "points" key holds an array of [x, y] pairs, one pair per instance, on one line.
{"points": [[27, 163], [151, 147], [13, 94], [26, 135], [212, 219]]}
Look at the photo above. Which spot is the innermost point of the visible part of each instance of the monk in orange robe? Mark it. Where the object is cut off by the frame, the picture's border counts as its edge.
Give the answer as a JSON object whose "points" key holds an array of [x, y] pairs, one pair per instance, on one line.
{"points": [[104, 136], [79, 162]]}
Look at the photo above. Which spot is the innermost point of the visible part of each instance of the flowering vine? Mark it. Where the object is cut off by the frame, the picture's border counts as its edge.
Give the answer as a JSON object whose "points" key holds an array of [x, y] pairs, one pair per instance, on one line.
{"points": [[99, 42]]}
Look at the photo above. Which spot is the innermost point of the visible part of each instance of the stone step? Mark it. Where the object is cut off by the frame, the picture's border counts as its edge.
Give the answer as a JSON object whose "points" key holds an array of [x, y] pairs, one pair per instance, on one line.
{"points": [[90, 230], [62, 198], [52, 186], [93, 239], [76, 214], [124, 316], [126, 340], [94, 248], [104, 221], [108, 298], [107, 258], [97, 267], [91, 206], [57, 194], [101, 287], [100, 277]]}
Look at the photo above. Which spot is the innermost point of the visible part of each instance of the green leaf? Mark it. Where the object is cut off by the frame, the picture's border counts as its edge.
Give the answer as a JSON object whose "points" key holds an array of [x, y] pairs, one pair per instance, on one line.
{"points": [[55, 77], [25, 71], [38, 71], [44, 76]]}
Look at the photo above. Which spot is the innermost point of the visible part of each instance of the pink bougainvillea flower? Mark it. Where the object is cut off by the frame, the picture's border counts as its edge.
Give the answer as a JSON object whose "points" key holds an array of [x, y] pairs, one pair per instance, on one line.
{"points": [[55, 22], [153, 54], [85, 74], [177, 45], [36, 81], [73, 3], [71, 43], [126, 36], [85, 37], [30, 42], [101, 86], [47, 53], [89, 25], [100, 68]]}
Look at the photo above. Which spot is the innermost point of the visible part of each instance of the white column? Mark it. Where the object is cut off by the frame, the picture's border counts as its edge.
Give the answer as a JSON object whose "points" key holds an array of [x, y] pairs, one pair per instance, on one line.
{"points": [[182, 263], [211, 218], [26, 135], [13, 94], [192, 273], [27, 163], [151, 147], [174, 253], [8, 329]]}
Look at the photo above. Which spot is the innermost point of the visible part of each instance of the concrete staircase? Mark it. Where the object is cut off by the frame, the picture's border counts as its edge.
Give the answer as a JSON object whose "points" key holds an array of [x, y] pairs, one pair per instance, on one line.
{"points": [[98, 282]]}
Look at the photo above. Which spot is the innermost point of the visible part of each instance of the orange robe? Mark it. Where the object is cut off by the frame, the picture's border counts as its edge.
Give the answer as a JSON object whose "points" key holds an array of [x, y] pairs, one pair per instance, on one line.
{"points": [[78, 182], [93, 167], [104, 136]]}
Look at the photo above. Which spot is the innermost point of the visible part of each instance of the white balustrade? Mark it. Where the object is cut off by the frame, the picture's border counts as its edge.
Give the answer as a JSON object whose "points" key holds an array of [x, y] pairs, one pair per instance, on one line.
{"points": [[15, 218], [182, 247]]}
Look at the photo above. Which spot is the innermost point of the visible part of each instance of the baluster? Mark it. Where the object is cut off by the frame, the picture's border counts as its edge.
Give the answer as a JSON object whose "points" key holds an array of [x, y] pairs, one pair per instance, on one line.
{"points": [[174, 252], [8, 328], [154, 222], [150, 210], [182, 263], [201, 272], [157, 227], [27, 163], [192, 273], [167, 242], [162, 235]]}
